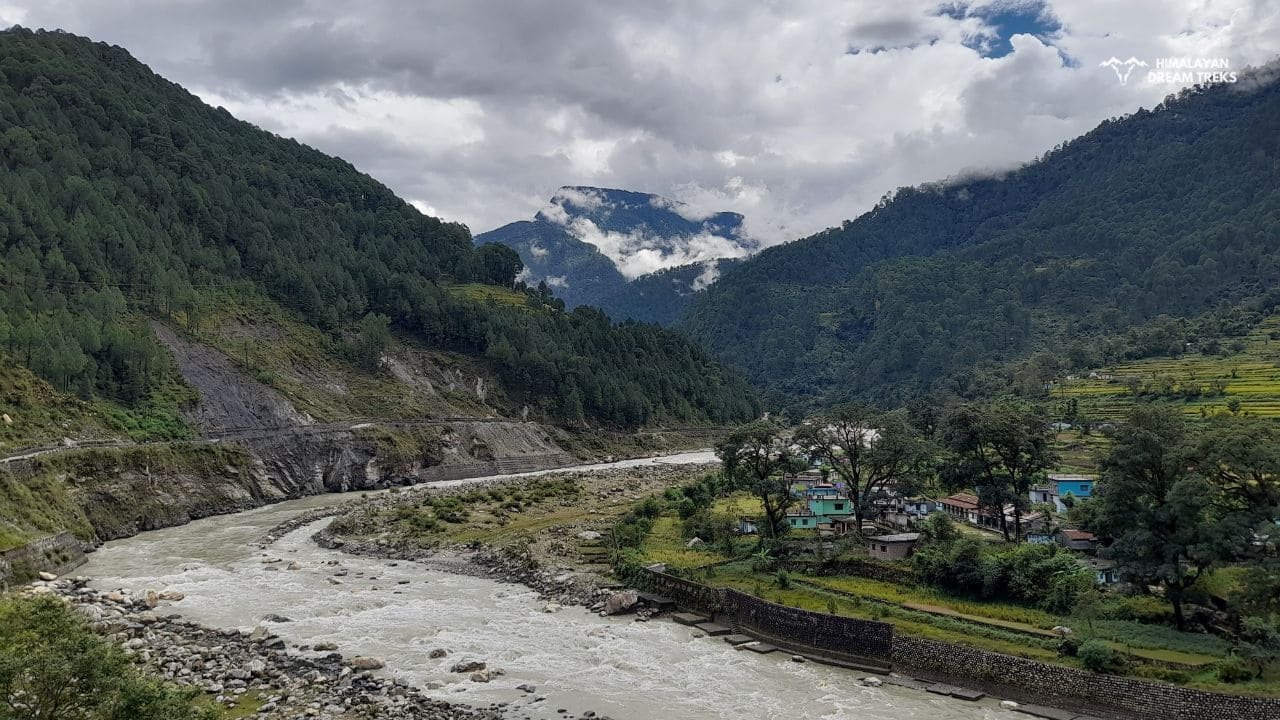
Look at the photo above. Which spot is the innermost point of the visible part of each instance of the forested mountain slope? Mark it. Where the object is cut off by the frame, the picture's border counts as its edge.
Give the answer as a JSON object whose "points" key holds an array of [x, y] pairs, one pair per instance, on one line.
{"points": [[1171, 212], [124, 197]]}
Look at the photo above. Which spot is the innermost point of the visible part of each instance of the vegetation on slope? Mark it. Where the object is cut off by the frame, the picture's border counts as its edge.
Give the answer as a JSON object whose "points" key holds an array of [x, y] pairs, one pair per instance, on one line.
{"points": [[1167, 212], [52, 666], [125, 196]]}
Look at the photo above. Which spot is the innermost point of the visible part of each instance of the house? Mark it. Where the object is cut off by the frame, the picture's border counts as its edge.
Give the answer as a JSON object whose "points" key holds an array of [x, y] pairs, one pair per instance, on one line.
{"points": [[802, 519], [1059, 488], [1073, 539], [1104, 571], [748, 525], [820, 510], [905, 512], [962, 507], [1040, 538], [844, 526], [892, 547]]}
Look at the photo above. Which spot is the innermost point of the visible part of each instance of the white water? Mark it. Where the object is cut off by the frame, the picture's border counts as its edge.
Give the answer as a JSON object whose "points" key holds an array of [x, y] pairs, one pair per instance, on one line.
{"points": [[624, 669]]}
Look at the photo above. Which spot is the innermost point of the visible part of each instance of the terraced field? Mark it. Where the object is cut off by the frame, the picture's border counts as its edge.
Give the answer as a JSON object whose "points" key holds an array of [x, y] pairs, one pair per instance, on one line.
{"points": [[1247, 371]]}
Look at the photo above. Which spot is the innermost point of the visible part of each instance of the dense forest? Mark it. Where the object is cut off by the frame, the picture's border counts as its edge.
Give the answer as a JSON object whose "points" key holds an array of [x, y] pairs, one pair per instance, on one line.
{"points": [[125, 197], [1103, 249]]}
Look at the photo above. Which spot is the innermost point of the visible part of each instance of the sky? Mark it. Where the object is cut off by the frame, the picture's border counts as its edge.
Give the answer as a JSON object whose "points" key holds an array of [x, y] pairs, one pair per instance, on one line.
{"points": [[799, 114]]}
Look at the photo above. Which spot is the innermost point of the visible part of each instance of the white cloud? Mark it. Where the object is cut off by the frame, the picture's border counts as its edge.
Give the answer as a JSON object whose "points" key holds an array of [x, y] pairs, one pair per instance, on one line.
{"points": [[486, 107], [640, 253]]}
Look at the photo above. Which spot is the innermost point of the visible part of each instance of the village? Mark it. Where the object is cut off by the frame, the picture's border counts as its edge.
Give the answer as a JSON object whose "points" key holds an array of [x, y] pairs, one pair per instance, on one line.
{"points": [[824, 509]]}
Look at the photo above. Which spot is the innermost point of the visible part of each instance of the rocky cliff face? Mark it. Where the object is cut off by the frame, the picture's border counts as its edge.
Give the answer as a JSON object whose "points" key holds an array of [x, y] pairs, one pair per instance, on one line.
{"points": [[123, 492]]}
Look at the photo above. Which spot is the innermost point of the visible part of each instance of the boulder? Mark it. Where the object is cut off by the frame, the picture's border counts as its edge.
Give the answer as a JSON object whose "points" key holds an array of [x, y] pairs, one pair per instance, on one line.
{"points": [[274, 618], [1009, 705], [872, 681], [326, 646], [589, 535], [695, 543], [467, 666], [552, 607], [621, 602], [366, 663], [258, 634], [437, 653], [1061, 630], [172, 595], [153, 598], [47, 576]]}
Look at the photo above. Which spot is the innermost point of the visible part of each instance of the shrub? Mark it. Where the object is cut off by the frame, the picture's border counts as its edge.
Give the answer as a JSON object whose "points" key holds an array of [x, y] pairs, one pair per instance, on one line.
{"points": [[47, 651], [1069, 646], [782, 579], [1139, 608], [1232, 669], [1099, 657], [650, 507], [423, 523]]}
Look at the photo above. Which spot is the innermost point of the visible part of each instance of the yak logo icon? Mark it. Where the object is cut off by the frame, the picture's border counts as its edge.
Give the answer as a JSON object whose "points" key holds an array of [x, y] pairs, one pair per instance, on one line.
{"points": [[1122, 68]]}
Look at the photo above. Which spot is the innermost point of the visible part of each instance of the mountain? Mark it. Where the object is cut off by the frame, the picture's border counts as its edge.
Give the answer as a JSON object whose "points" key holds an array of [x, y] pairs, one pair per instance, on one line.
{"points": [[661, 297], [1134, 239], [591, 245], [128, 203]]}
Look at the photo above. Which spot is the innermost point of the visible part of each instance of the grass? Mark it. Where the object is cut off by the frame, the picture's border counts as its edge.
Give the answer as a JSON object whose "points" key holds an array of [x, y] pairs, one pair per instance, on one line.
{"points": [[1250, 373], [39, 497], [666, 544], [498, 516], [308, 367], [483, 294], [37, 505], [247, 705]]}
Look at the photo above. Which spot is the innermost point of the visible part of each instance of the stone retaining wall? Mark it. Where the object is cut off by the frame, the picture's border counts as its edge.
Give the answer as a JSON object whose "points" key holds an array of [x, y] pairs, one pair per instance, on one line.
{"points": [[1001, 675], [1041, 683], [840, 637], [57, 554]]}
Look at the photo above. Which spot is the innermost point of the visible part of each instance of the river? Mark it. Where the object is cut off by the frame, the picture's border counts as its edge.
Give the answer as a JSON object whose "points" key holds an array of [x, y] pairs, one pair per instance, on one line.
{"points": [[617, 667]]}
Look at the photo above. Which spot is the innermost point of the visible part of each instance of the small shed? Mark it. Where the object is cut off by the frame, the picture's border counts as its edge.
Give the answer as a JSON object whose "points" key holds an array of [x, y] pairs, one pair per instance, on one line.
{"points": [[1077, 539], [748, 525], [893, 547]]}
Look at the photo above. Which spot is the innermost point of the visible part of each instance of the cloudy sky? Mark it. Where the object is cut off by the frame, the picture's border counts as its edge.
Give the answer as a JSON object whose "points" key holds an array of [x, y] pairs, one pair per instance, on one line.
{"points": [[796, 113]]}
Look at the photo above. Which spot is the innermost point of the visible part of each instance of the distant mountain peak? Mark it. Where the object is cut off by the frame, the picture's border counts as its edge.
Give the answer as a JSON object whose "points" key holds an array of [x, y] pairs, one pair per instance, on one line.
{"points": [[591, 243], [643, 233]]}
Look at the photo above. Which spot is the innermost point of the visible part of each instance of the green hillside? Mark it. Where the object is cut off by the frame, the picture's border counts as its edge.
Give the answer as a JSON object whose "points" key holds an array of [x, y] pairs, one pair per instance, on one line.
{"points": [[125, 198], [1220, 375], [1171, 213]]}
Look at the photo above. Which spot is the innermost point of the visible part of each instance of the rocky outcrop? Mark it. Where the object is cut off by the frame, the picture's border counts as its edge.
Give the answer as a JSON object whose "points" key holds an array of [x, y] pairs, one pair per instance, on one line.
{"points": [[126, 490], [229, 399]]}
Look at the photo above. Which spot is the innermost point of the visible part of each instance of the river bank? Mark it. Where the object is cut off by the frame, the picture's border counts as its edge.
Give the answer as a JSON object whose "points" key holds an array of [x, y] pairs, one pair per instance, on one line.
{"points": [[399, 612], [255, 671]]}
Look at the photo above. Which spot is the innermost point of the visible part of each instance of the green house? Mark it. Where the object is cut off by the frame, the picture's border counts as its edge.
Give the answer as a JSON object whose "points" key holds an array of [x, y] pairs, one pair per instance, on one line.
{"points": [[820, 509]]}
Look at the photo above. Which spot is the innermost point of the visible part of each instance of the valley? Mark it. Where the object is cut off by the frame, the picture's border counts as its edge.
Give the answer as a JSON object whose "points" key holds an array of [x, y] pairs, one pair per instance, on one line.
{"points": [[279, 439]]}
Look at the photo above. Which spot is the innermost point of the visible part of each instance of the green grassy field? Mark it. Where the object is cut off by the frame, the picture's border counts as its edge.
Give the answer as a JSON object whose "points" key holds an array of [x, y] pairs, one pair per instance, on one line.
{"points": [[1247, 370], [488, 293]]}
